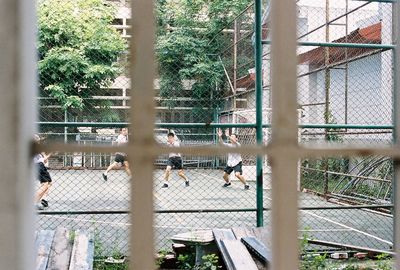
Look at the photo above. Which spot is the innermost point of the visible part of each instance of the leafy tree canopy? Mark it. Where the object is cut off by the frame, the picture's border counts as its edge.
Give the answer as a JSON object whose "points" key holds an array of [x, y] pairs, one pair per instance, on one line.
{"points": [[78, 49], [188, 45]]}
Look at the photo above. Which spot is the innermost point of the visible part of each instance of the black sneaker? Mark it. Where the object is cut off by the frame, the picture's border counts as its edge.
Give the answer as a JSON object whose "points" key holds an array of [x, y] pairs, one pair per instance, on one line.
{"points": [[165, 185], [227, 184], [186, 183], [246, 187], [44, 203], [105, 177]]}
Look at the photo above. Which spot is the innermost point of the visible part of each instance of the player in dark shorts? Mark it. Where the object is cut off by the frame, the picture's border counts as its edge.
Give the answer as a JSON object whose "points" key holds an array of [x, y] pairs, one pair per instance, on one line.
{"points": [[43, 176], [174, 162], [120, 158], [234, 162]]}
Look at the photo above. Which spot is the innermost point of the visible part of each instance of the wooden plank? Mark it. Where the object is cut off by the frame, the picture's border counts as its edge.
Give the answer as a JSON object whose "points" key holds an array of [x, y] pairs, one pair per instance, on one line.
{"points": [[82, 251], [239, 256], [219, 235], [263, 234], [44, 240], [240, 232], [61, 251], [203, 237], [257, 248]]}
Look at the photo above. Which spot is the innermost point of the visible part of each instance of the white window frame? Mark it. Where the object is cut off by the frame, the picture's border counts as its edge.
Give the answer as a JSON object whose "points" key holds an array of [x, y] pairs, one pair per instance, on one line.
{"points": [[283, 151]]}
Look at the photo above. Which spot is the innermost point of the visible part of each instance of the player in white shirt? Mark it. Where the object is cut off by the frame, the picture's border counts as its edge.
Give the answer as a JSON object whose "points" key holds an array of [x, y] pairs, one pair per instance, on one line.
{"points": [[234, 162], [41, 161], [120, 158], [174, 161]]}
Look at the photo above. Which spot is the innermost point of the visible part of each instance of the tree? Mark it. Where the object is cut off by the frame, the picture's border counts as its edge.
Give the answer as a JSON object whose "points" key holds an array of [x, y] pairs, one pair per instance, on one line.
{"points": [[188, 47], [78, 51]]}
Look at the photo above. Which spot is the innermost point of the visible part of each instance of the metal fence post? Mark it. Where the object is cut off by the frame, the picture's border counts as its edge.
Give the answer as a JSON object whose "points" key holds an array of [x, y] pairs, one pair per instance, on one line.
{"points": [[396, 134], [259, 97]]}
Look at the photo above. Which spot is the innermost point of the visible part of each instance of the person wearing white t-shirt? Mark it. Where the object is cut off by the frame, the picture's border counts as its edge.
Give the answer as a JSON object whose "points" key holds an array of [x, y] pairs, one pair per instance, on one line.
{"points": [[41, 161], [120, 158], [174, 161], [234, 162]]}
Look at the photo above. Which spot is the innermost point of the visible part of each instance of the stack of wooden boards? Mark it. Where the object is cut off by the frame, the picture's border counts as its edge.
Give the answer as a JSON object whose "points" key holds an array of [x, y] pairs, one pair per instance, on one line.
{"points": [[243, 248], [63, 249]]}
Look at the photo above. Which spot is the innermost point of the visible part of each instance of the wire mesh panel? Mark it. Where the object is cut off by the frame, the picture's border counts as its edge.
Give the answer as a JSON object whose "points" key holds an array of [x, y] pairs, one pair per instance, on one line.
{"points": [[195, 193], [83, 77], [345, 80]]}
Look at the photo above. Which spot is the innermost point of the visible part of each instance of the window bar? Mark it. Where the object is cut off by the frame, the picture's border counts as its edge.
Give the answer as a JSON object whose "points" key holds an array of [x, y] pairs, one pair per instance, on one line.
{"points": [[140, 149], [284, 135]]}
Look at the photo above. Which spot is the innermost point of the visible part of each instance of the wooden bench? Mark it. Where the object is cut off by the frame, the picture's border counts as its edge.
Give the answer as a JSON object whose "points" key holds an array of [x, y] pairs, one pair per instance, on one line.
{"points": [[200, 240], [235, 244], [241, 248], [63, 249]]}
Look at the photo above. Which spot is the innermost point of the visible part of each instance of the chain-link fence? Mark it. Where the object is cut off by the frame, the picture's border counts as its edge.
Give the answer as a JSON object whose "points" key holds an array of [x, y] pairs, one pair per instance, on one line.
{"points": [[206, 74], [345, 96]]}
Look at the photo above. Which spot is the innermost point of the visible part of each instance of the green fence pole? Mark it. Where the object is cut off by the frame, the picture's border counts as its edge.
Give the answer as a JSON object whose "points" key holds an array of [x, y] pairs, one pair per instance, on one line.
{"points": [[259, 112], [395, 121]]}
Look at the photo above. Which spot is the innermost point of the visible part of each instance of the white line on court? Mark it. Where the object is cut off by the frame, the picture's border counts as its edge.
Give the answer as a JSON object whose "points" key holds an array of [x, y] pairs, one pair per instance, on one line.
{"points": [[348, 227], [317, 216], [327, 230]]}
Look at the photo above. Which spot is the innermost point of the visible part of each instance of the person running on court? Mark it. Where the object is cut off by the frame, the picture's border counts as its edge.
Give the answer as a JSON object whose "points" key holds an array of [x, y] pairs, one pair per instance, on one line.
{"points": [[174, 161], [120, 158], [41, 161], [234, 162]]}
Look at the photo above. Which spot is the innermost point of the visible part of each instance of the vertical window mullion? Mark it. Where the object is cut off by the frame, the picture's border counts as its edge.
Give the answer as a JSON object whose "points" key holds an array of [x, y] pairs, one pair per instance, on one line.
{"points": [[284, 134], [140, 149]]}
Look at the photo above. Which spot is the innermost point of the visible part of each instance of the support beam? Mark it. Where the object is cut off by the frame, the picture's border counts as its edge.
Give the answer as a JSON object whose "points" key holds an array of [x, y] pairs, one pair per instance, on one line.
{"points": [[17, 88], [284, 134], [142, 113]]}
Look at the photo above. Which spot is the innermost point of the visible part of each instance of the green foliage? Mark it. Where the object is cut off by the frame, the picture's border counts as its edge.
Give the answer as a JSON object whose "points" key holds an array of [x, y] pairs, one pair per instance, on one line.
{"points": [[161, 257], [331, 135], [100, 265], [303, 245], [313, 173], [351, 267], [210, 262], [314, 179], [383, 262], [187, 49], [316, 263], [185, 261], [78, 50], [71, 237]]}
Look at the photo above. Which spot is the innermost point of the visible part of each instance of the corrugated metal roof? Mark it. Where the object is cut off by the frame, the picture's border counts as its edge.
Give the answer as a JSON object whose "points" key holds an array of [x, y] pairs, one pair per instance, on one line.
{"points": [[371, 35]]}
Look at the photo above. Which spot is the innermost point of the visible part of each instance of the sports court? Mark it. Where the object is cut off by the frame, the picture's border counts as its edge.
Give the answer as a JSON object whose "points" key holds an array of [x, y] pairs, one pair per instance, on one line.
{"points": [[205, 204]]}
